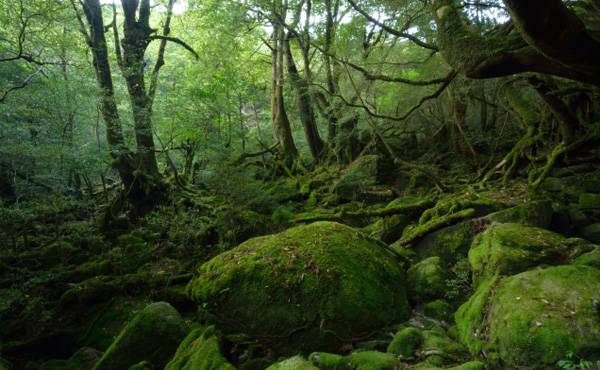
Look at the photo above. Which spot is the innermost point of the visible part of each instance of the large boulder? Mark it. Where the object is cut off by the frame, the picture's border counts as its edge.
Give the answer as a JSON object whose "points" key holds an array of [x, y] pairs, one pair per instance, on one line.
{"points": [[507, 249], [153, 336], [532, 319], [310, 287]]}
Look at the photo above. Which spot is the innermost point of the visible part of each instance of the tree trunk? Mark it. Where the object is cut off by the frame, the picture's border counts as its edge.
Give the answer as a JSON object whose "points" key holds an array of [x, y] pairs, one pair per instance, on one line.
{"points": [[305, 107], [280, 123]]}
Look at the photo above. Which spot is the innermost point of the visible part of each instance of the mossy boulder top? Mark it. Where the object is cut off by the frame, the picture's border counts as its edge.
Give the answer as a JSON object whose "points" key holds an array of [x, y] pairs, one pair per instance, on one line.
{"points": [[531, 320], [310, 287], [153, 336], [427, 279], [507, 249]]}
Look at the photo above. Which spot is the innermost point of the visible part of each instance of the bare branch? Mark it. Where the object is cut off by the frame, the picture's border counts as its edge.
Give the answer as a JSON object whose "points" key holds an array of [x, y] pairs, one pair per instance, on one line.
{"points": [[177, 41], [25, 82], [391, 30]]}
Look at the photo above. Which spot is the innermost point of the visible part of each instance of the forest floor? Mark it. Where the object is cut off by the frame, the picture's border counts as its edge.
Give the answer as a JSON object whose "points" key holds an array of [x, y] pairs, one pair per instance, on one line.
{"points": [[67, 289]]}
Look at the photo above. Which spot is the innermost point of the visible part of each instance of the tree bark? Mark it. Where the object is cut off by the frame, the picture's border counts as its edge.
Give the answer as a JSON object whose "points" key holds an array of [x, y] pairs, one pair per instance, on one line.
{"points": [[304, 101], [529, 48], [280, 123]]}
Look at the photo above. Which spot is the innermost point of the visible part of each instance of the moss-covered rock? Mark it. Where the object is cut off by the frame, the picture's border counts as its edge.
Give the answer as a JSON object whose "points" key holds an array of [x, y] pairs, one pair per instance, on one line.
{"points": [[592, 232], [471, 365], [200, 350], [294, 363], [439, 310], [373, 360], [84, 359], [405, 342], [427, 279], [530, 320], [591, 258], [537, 214], [507, 249], [366, 360], [589, 200], [450, 243], [153, 335], [328, 361], [363, 174], [309, 287], [447, 350]]}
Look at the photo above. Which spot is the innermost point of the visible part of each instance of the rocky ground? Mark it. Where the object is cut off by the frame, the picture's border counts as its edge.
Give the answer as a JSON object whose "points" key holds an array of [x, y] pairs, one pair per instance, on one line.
{"points": [[334, 270]]}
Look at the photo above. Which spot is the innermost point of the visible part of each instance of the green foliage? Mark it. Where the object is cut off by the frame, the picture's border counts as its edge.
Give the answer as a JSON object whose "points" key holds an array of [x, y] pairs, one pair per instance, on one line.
{"points": [[570, 364]]}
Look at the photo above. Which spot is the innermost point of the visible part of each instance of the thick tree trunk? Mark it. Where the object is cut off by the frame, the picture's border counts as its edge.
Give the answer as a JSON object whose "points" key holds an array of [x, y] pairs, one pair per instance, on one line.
{"points": [[305, 107], [548, 32]]}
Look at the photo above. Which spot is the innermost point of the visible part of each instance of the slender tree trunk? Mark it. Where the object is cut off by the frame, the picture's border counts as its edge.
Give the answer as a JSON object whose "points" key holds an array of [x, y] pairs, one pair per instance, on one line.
{"points": [[280, 123], [305, 107]]}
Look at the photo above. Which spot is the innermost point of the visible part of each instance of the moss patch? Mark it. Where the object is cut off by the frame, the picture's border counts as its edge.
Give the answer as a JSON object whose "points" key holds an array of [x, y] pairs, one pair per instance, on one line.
{"points": [[508, 249], [427, 280], [199, 351], [153, 335], [537, 214], [532, 319], [294, 363], [311, 287], [405, 342]]}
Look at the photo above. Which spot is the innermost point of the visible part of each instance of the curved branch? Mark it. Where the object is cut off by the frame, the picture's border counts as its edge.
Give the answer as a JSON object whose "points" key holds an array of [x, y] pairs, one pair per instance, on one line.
{"points": [[494, 55], [25, 82], [553, 29], [391, 30], [177, 41]]}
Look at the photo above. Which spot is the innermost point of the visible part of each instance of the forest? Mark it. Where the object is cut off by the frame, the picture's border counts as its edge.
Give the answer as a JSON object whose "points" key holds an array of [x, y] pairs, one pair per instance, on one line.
{"points": [[299, 184]]}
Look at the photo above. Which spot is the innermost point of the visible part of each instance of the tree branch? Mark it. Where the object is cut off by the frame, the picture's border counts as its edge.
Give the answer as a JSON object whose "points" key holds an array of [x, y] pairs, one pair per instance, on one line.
{"points": [[25, 82], [177, 41], [391, 30]]}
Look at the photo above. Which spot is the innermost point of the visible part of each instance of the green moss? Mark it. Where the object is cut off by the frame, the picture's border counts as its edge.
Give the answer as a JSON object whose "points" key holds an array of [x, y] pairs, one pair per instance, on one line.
{"points": [[591, 258], [471, 365], [507, 249], [589, 200], [200, 350], [439, 310], [84, 359], [106, 319], [449, 243], [405, 342], [294, 363], [592, 232], [427, 279], [438, 340], [153, 335], [537, 214], [311, 287], [373, 360], [532, 319], [328, 361]]}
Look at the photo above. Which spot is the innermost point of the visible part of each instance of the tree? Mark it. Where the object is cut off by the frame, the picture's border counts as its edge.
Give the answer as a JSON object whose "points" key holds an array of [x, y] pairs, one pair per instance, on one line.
{"points": [[542, 36], [143, 184]]}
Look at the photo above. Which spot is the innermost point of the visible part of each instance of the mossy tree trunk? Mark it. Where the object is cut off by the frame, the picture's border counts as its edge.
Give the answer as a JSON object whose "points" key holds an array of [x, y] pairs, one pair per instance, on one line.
{"points": [[280, 123], [305, 106], [143, 184], [544, 36]]}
